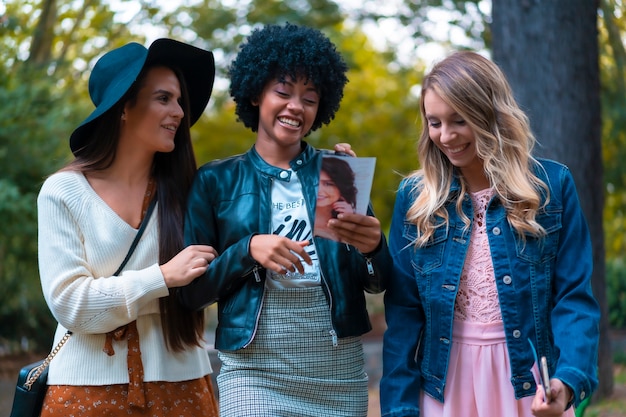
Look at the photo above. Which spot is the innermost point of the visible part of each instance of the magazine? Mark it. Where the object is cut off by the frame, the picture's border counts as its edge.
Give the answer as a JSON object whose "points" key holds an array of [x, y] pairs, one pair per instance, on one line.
{"points": [[345, 184]]}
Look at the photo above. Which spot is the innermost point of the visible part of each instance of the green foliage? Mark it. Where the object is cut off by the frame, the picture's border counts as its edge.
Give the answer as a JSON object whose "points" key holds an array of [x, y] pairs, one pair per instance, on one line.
{"points": [[613, 79], [616, 292], [76, 34], [31, 131], [219, 135], [222, 26], [42, 98], [467, 22], [619, 358]]}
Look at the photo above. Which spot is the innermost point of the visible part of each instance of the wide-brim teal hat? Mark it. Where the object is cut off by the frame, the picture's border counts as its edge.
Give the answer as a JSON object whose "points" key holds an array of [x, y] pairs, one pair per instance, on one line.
{"points": [[117, 70]]}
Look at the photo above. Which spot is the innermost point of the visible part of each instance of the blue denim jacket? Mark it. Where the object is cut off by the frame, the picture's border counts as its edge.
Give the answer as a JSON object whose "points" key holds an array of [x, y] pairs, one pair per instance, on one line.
{"points": [[544, 287]]}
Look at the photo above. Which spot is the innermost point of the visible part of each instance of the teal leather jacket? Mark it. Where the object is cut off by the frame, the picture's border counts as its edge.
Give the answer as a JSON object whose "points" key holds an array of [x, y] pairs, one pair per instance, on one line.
{"points": [[229, 203]]}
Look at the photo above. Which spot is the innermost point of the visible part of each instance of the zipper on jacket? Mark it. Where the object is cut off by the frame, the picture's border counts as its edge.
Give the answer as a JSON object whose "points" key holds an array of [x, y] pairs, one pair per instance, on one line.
{"points": [[255, 271], [332, 331], [257, 278], [370, 267], [368, 262], [256, 321]]}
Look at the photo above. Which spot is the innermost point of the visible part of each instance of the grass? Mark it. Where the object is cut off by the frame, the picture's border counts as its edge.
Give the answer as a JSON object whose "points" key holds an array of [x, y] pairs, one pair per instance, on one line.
{"points": [[616, 405]]}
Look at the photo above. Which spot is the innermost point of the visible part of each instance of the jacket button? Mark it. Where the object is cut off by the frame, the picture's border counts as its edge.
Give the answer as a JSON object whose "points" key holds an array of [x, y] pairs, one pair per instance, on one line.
{"points": [[284, 174], [507, 279], [496, 231], [526, 385], [517, 334], [444, 340], [582, 395], [299, 162]]}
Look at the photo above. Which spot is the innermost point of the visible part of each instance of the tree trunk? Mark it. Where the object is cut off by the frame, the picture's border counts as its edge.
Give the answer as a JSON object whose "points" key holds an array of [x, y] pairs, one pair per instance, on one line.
{"points": [[41, 46], [549, 51], [68, 38]]}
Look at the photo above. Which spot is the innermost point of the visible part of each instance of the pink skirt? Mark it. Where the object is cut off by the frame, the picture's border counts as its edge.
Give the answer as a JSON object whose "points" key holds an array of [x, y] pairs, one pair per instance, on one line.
{"points": [[479, 377]]}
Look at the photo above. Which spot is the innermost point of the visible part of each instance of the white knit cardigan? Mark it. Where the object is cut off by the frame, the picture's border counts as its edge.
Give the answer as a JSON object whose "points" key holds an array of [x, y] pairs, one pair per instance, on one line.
{"points": [[82, 242]]}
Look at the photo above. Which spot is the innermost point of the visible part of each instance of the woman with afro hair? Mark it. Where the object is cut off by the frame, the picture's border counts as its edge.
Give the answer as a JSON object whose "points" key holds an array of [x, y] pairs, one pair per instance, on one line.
{"points": [[291, 307]]}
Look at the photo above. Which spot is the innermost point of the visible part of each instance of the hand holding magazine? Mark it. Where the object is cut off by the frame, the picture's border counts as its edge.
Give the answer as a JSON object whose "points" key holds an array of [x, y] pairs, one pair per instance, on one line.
{"points": [[345, 184]]}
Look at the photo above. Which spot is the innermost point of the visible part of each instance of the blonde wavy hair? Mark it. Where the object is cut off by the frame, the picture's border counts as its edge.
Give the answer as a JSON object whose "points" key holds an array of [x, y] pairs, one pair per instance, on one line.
{"points": [[478, 91]]}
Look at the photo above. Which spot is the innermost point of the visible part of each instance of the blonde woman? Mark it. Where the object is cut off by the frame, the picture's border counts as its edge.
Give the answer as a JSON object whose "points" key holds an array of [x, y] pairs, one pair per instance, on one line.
{"points": [[491, 254]]}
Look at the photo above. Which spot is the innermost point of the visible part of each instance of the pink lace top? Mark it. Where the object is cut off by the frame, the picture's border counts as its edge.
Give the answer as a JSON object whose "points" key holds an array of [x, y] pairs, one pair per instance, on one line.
{"points": [[477, 299]]}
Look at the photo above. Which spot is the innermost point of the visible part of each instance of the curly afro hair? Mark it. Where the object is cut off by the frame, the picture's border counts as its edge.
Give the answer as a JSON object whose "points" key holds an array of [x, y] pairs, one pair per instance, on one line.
{"points": [[279, 52]]}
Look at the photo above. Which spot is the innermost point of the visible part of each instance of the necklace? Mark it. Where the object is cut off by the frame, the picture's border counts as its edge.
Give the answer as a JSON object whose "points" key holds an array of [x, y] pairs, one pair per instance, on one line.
{"points": [[150, 191]]}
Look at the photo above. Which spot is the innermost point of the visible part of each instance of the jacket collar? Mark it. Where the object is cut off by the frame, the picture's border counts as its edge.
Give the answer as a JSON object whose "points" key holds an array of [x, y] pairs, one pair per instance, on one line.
{"points": [[455, 186], [304, 158]]}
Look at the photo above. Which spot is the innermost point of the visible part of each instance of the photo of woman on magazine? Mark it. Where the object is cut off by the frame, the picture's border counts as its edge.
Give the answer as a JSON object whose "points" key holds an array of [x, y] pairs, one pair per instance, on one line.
{"points": [[344, 187]]}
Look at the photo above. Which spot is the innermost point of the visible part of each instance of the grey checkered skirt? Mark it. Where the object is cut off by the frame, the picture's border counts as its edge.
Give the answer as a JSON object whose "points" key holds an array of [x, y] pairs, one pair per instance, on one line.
{"points": [[291, 368]]}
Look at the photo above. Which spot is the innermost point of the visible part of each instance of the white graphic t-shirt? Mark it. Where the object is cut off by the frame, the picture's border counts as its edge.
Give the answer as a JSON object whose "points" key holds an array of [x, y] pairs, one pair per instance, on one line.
{"points": [[290, 219]]}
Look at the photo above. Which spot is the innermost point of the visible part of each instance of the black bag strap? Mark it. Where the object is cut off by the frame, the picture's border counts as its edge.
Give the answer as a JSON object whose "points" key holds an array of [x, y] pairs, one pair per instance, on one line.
{"points": [[142, 227]]}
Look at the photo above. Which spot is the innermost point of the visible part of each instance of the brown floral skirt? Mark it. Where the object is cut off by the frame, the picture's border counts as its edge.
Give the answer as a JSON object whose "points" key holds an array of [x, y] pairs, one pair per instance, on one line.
{"points": [[163, 399]]}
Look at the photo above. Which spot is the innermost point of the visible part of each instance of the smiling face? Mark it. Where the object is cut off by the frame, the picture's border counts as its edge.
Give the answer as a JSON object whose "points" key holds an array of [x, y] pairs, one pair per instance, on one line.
{"points": [[151, 121], [328, 192], [452, 135], [287, 110]]}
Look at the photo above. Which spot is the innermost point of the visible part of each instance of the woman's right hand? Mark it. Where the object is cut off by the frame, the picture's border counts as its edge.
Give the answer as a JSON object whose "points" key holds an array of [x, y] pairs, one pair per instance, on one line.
{"points": [[279, 254], [187, 265], [561, 394]]}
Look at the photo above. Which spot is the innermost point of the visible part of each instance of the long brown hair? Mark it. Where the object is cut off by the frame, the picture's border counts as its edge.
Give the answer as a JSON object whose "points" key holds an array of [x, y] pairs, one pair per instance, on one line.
{"points": [[174, 172]]}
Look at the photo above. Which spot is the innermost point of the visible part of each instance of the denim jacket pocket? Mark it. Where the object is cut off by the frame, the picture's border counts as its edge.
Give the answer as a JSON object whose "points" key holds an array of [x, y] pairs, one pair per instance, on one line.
{"points": [[430, 256], [541, 249]]}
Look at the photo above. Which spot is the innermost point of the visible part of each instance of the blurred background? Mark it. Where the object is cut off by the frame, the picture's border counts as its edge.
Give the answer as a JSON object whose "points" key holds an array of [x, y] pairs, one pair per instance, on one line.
{"points": [[566, 60]]}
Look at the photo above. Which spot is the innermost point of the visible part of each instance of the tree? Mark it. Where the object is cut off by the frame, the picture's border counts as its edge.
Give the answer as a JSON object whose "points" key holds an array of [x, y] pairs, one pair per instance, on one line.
{"points": [[466, 22], [549, 51], [221, 26], [613, 80]]}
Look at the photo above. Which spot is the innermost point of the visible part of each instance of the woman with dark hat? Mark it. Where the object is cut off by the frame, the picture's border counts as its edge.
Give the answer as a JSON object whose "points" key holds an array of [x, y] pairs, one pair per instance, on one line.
{"points": [[133, 350]]}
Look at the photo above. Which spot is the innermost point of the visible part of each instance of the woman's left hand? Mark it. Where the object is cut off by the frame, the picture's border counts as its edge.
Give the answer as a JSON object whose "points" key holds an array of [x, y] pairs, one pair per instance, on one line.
{"points": [[561, 395], [361, 231], [345, 148]]}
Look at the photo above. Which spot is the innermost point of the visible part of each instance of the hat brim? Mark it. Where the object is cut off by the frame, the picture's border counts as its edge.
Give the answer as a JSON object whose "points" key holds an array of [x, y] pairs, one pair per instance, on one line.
{"points": [[196, 65]]}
